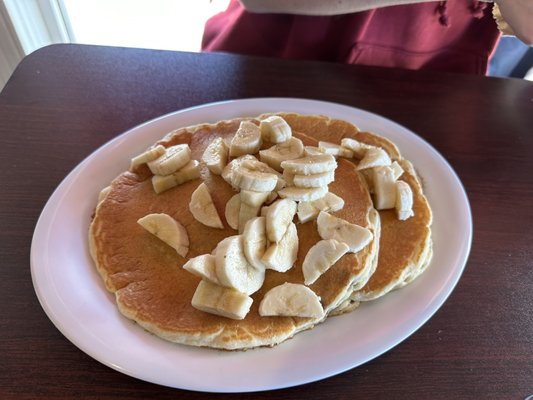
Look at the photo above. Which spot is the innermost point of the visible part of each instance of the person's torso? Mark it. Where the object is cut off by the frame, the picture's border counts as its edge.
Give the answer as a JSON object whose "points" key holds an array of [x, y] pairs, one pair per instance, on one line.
{"points": [[457, 35]]}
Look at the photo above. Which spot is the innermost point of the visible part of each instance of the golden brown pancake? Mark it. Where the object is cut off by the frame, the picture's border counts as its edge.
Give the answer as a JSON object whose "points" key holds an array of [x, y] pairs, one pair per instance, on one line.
{"points": [[153, 289], [405, 246]]}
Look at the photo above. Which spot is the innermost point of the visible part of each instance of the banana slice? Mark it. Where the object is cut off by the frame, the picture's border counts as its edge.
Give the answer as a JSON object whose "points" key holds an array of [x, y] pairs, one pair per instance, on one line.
{"points": [[288, 177], [384, 188], [358, 149], [174, 158], [321, 257], [335, 150], [255, 241], [168, 230], [404, 200], [355, 236], [314, 180], [287, 150], [203, 267], [187, 173], [247, 140], [291, 300], [203, 209], [374, 157], [254, 198], [232, 211], [275, 129], [215, 156], [256, 165], [278, 217], [147, 156], [246, 213], [255, 176], [310, 164], [250, 206], [282, 255], [312, 151], [218, 300], [233, 269], [397, 169], [228, 173], [308, 210], [302, 194]]}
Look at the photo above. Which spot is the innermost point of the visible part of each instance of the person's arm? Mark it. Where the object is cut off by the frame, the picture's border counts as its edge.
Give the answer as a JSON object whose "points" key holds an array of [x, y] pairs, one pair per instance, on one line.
{"points": [[320, 7], [519, 15]]}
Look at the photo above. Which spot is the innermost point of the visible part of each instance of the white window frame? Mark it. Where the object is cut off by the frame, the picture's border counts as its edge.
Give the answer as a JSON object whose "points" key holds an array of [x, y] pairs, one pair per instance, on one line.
{"points": [[27, 25], [10, 48], [38, 23]]}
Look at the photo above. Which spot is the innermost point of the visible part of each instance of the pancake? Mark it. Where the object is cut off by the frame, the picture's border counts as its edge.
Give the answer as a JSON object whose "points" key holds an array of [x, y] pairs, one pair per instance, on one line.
{"points": [[405, 246], [153, 289]]}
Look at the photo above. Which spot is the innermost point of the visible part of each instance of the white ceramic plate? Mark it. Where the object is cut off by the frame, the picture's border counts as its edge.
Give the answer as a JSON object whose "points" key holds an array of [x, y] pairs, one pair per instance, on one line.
{"points": [[74, 298]]}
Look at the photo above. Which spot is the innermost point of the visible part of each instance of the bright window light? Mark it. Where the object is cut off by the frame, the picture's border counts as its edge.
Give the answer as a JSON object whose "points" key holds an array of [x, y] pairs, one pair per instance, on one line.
{"points": [[155, 24]]}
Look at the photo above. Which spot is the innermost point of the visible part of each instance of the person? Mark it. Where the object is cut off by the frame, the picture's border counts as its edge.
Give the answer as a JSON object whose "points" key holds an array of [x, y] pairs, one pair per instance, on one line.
{"points": [[453, 36], [508, 58]]}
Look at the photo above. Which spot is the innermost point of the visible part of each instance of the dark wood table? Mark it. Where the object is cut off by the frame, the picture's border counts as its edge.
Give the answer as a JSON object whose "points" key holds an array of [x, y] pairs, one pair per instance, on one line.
{"points": [[64, 101]]}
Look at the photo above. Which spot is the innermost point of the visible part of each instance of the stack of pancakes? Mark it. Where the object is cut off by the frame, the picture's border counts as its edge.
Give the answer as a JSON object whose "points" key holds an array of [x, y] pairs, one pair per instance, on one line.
{"points": [[153, 289]]}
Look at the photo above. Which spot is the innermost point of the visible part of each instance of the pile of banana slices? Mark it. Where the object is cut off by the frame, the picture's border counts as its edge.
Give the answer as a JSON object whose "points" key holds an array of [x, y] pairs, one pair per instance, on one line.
{"points": [[288, 180]]}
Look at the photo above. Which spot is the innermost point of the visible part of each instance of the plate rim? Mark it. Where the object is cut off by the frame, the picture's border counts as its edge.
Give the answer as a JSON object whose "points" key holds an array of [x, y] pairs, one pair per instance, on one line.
{"points": [[67, 183]]}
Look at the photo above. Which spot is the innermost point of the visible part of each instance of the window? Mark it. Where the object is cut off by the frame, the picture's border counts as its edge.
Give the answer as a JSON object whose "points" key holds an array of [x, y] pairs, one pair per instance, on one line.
{"points": [[159, 24]]}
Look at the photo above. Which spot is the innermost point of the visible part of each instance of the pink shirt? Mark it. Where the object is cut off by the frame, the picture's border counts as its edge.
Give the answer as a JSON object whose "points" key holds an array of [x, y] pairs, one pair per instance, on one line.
{"points": [[454, 36]]}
